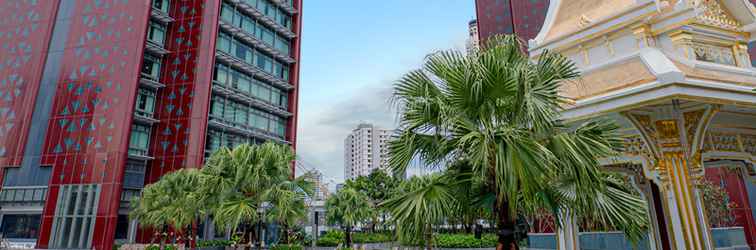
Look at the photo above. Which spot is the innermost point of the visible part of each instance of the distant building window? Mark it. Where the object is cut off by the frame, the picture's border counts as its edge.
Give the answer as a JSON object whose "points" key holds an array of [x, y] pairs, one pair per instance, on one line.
{"points": [[21, 226]]}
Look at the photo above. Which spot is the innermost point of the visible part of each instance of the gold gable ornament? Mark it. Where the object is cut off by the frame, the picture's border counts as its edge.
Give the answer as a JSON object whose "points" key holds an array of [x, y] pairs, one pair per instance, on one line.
{"points": [[713, 14]]}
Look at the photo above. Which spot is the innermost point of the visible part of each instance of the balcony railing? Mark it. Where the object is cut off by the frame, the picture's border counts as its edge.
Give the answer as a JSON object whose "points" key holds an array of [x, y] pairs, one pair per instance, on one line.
{"points": [[23, 194], [256, 42], [236, 95], [243, 130], [251, 70]]}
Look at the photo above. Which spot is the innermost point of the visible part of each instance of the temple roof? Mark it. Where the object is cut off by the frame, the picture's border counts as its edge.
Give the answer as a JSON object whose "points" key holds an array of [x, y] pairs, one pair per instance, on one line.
{"points": [[570, 16]]}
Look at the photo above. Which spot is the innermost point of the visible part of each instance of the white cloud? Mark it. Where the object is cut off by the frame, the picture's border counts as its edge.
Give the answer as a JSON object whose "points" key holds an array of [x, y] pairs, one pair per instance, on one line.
{"points": [[322, 129]]}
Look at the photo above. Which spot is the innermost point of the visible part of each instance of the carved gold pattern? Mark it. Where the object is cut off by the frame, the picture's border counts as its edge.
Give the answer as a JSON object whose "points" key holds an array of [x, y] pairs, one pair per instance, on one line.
{"points": [[634, 145], [715, 15], [749, 143], [692, 119], [721, 141]]}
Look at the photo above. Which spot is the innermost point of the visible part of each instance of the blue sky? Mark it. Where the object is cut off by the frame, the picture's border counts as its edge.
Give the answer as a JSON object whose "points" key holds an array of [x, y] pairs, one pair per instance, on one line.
{"points": [[352, 51]]}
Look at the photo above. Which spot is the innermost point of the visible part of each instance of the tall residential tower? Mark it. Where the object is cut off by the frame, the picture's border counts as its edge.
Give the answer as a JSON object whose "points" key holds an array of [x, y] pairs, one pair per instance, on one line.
{"points": [[365, 150], [100, 97]]}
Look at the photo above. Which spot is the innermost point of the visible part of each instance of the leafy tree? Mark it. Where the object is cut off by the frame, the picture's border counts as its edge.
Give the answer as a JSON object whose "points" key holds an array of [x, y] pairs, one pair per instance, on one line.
{"points": [[242, 179], [378, 186], [348, 207], [173, 201], [287, 200], [500, 110], [424, 202]]}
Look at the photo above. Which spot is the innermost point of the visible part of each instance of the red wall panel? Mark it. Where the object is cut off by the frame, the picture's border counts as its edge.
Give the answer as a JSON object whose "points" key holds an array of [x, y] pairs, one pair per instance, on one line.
{"points": [[521, 17], [529, 16], [89, 127], [291, 128], [25, 30], [731, 179], [182, 107]]}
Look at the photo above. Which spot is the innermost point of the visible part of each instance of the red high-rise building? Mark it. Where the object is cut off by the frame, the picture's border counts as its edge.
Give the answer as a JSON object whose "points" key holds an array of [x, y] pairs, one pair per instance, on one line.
{"points": [[100, 97], [521, 17]]}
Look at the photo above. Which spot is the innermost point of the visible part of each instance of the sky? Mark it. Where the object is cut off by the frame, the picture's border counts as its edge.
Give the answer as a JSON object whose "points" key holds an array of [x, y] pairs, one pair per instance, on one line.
{"points": [[352, 52]]}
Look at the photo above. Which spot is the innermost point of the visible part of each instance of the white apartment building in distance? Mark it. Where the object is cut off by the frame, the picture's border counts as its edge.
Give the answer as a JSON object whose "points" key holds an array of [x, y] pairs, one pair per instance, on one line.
{"points": [[365, 150], [473, 42]]}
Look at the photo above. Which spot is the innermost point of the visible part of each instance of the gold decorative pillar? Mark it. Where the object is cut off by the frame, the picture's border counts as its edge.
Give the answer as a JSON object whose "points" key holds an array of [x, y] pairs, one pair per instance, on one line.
{"points": [[673, 136]]}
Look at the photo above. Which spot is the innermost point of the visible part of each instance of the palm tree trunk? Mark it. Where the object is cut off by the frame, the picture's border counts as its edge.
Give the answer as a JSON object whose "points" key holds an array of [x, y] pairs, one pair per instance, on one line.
{"points": [[506, 227], [348, 237], [429, 237]]}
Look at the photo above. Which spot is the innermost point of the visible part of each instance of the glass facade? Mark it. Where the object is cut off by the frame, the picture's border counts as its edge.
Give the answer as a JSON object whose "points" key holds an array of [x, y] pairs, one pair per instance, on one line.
{"points": [[145, 103], [156, 33], [249, 55], [75, 216], [246, 117], [161, 5], [151, 67], [249, 25], [268, 9], [244, 84], [139, 143], [20, 226]]}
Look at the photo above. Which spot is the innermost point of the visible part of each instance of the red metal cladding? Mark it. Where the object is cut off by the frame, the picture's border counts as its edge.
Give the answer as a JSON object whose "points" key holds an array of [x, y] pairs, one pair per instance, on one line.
{"points": [[529, 17], [182, 107], [734, 184], [89, 127], [25, 29], [294, 94], [494, 17], [521, 17]]}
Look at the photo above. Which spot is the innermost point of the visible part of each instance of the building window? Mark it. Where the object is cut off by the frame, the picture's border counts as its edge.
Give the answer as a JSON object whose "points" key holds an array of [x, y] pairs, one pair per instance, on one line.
{"points": [[21, 226], [133, 176], [140, 140], [161, 5], [145, 103], [122, 227], [151, 67], [227, 13], [240, 50], [217, 107], [74, 219], [156, 33], [249, 86]]}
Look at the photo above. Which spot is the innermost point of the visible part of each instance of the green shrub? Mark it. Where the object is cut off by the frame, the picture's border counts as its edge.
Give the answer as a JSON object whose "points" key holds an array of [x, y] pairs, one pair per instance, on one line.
{"points": [[328, 241], [213, 243], [157, 247], [371, 237], [287, 247], [360, 238], [464, 241]]}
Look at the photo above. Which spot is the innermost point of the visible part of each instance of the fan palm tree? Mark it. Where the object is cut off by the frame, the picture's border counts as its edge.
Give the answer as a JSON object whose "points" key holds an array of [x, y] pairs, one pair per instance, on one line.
{"points": [[501, 111], [287, 202], [422, 203], [348, 207], [173, 201], [239, 181]]}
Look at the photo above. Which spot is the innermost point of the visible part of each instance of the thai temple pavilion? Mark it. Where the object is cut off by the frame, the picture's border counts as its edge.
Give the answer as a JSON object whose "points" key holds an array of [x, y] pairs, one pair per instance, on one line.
{"points": [[676, 74]]}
